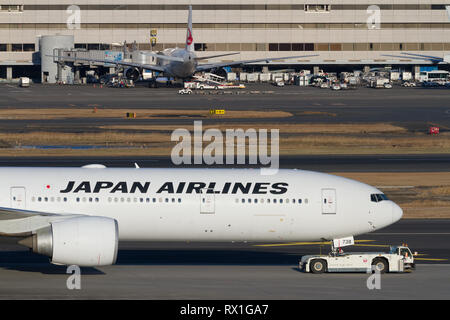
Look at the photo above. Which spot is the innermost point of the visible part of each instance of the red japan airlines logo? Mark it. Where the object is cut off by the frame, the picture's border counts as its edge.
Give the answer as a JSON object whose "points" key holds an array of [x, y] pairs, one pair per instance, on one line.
{"points": [[189, 38]]}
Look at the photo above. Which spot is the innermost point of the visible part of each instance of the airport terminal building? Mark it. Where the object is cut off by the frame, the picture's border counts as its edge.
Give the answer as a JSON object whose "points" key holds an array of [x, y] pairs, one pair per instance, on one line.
{"points": [[340, 32]]}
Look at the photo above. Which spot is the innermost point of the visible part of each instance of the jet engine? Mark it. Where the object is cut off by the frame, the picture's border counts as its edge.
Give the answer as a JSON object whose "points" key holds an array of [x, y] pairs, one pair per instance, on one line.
{"points": [[132, 74], [83, 241]]}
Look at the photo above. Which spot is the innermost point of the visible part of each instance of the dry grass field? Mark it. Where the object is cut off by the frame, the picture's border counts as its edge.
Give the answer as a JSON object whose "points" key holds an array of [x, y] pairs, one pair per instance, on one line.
{"points": [[294, 139], [71, 113]]}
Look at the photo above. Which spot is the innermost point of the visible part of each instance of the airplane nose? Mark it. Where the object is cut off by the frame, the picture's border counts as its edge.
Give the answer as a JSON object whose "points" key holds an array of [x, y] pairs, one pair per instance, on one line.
{"points": [[397, 212]]}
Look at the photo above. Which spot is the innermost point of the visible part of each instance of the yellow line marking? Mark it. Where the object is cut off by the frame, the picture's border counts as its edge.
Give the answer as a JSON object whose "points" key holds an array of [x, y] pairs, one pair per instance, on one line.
{"points": [[428, 259], [302, 243], [372, 245]]}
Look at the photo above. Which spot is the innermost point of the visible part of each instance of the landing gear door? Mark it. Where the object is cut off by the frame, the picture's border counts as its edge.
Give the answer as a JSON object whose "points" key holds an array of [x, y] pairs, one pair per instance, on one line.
{"points": [[18, 198], [207, 202], [329, 201]]}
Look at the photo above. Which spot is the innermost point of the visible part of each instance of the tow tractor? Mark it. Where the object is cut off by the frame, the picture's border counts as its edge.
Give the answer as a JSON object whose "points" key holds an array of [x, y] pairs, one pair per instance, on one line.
{"points": [[398, 259]]}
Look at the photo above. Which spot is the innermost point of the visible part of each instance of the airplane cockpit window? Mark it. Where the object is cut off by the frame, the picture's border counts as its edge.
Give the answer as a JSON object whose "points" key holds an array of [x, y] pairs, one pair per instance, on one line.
{"points": [[378, 197]]}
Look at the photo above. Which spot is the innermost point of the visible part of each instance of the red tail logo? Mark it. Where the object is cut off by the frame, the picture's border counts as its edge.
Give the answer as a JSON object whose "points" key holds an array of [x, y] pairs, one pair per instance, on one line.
{"points": [[189, 38]]}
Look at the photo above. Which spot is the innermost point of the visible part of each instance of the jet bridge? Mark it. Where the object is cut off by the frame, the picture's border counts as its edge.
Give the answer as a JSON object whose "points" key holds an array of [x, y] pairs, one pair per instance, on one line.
{"points": [[82, 58]]}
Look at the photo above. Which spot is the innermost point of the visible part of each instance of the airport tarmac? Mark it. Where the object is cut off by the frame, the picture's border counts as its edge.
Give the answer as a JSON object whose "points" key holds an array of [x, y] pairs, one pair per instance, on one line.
{"points": [[323, 163], [415, 108], [233, 270]]}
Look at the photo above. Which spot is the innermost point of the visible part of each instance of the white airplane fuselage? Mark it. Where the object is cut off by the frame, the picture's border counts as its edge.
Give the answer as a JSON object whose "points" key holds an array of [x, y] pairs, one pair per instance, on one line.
{"points": [[179, 69], [234, 204]]}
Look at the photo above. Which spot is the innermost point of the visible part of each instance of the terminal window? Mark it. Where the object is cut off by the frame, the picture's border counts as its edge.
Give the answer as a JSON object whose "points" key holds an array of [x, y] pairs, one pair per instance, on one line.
{"points": [[317, 7], [11, 8]]}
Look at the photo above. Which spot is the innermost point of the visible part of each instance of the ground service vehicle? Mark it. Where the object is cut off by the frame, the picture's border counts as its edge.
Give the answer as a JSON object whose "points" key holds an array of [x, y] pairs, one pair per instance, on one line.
{"points": [[398, 259]]}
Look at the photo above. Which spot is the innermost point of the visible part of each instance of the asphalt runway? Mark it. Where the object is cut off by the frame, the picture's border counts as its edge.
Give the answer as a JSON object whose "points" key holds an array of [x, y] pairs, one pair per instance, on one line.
{"points": [[414, 108], [233, 270], [325, 163]]}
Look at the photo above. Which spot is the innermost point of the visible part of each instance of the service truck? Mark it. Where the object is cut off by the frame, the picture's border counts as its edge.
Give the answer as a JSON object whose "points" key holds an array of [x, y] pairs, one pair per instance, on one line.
{"points": [[399, 259]]}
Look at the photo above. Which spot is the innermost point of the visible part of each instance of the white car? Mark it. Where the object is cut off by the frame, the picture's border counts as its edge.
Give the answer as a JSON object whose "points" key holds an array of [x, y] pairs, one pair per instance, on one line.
{"points": [[336, 87], [185, 91]]}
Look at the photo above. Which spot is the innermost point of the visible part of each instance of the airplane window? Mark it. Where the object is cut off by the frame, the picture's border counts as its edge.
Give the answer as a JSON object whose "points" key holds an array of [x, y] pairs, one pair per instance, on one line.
{"points": [[45, 199], [109, 199], [160, 200], [281, 200], [167, 200], [274, 200], [377, 197], [268, 200], [249, 200], [179, 200], [97, 199], [33, 199], [84, 199], [122, 199], [255, 201], [154, 199], [237, 200], [299, 201], [306, 200], [243, 200], [262, 200], [128, 199], [39, 199], [65, 199], [78, 199], [90, 199], [135, 200], [287, 200], [382, 196], [293, 200], [173, 199]]}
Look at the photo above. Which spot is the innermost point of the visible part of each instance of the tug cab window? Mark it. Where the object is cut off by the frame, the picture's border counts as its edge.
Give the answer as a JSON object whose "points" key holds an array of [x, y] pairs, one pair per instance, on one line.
{"points": [[378, 197]]}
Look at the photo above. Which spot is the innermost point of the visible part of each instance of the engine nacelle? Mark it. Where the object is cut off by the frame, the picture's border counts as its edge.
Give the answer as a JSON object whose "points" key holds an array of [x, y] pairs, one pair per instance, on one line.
{"points": [[83, 241], [132, 74]]}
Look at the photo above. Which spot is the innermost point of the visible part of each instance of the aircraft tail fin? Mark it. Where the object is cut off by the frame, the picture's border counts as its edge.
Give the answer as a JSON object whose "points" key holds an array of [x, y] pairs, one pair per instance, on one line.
{"points": [[189, 36]]}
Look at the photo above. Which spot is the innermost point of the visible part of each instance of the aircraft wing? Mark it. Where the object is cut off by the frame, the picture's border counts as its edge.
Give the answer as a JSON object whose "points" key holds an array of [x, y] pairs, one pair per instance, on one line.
{"points": [[424, 56], [19, 222], [204, 67], [416, 57], [216, 56], [119, 63]]}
